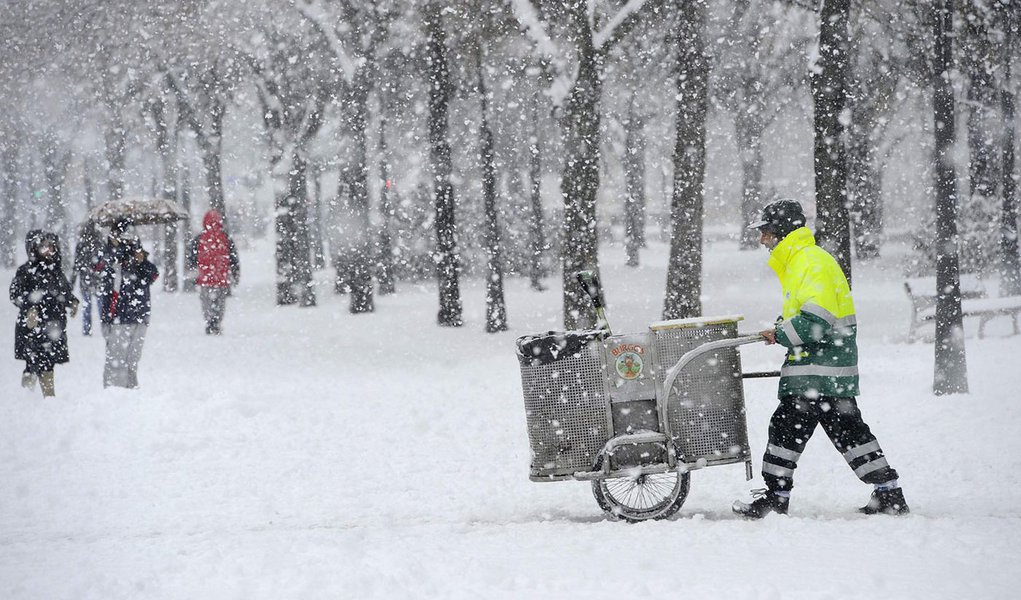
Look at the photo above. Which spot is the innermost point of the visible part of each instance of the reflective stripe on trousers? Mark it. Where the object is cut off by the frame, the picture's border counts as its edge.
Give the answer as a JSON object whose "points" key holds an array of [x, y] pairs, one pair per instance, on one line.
{"points": [[792, 425]]}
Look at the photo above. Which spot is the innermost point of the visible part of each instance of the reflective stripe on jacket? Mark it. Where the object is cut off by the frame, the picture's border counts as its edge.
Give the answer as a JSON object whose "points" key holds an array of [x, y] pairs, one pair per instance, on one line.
{"points": [[818, 327]]}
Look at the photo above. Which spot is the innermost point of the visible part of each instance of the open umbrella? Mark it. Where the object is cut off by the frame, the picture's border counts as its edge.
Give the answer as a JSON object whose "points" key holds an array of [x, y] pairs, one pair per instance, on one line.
{"points": [[137, 211]]}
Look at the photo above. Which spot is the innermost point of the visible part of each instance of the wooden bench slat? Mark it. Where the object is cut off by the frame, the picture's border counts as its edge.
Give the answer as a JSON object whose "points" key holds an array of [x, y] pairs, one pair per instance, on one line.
{"points": [[974, 302], [979, 306]]}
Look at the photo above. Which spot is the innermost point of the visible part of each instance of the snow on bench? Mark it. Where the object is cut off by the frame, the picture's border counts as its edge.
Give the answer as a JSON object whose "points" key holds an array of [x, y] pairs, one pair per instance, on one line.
{"points": [[974, 302]]}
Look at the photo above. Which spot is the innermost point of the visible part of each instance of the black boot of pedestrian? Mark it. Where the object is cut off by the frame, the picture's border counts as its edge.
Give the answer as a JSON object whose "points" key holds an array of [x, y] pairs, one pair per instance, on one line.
{"points": [[763, 503], [887, 502]]}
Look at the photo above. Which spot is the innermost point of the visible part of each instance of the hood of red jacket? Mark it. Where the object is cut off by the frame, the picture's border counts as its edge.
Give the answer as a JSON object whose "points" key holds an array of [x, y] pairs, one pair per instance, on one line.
{"points": [[212, 220]]}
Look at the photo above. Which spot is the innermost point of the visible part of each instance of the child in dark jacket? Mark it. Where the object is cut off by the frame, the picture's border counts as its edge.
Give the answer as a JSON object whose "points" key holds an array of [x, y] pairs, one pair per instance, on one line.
{"points": [[129, 309], [43, 296], [87, 254]]}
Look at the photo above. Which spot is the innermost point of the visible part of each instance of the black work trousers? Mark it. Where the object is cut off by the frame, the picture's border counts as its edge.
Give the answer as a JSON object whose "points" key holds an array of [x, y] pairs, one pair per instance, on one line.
{"points": [[792, 426]]}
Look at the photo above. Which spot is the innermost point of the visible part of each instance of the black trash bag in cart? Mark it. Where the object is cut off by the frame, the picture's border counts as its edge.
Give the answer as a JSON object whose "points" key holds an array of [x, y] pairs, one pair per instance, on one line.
{"points": [[546, 348]]}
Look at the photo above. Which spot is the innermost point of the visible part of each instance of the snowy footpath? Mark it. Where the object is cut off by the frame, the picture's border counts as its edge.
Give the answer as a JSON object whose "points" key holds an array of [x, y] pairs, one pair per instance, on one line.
{"points": [[311, 453]]}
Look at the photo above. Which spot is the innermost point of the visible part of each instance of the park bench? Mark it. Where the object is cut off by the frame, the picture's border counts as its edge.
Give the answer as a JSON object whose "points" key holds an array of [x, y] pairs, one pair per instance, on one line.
{"points": [[974, 302]]}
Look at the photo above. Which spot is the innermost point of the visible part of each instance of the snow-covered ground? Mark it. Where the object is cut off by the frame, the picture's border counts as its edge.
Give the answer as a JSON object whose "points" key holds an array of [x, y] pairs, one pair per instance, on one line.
{"points": [[311, 453]]}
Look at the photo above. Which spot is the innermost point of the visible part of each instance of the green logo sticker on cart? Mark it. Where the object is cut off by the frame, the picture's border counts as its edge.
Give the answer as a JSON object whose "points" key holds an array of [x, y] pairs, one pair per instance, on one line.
{"points": [[629, 361]]}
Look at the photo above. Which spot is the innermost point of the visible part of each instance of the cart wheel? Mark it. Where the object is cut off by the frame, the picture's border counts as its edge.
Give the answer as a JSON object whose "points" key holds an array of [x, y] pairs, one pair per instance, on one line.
{"points": [[634, 499]]}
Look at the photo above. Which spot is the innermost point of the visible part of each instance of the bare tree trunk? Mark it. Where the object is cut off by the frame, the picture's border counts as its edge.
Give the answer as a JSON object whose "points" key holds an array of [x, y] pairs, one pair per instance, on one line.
{"points": [[875, 83], [360, 257], [980, 207], [316, 220], [1010, 261], [440, 90], [865, 181], [211, 160], [536, 235], [748, 129], [496, 307], [166, 145], [750, 120], [866, 214], [580, 179], [188, 284], [302, 257], [87, 183], [951, 368], [684, 271], [829, 93], [172, 279], [293, 254], [385, 252], [55, 164], [977, 61], [115, 143], [634, 176], [339, 216], [8, 193]]}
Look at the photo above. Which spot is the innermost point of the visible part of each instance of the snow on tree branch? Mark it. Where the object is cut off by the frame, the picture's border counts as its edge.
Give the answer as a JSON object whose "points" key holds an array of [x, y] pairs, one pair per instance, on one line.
{"points": [[561, 87], [323, 20], [619, 24], [189, 111], [535, 29]]}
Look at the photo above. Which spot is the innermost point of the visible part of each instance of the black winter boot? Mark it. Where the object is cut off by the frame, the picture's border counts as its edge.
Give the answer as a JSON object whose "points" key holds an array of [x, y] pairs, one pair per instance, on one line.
{"points": [[764, 502], [887, 502]]}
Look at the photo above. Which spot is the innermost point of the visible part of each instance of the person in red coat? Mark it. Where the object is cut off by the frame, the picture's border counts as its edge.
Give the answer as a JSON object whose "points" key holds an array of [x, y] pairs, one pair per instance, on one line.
{"points": [[213, 254]]}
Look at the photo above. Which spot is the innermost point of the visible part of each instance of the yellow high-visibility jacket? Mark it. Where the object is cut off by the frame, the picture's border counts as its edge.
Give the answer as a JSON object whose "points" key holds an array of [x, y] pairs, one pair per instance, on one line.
{"points": [[818, 325]]}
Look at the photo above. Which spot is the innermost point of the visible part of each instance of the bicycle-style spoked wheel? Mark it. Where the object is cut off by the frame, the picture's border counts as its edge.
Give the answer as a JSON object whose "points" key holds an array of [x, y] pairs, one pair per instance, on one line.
{"points": [[642, 497]]}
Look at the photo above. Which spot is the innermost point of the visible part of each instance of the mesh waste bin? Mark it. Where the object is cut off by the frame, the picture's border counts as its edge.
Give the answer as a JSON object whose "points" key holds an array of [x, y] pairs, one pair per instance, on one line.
{"points": [[705, 411], [567, 406]]}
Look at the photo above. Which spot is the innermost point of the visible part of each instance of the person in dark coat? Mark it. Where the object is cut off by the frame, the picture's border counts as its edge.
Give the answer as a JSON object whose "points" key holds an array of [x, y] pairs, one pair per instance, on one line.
{"points": [[106, 272], [129, 309], [43, 296], [87, 255], [212, 252]]}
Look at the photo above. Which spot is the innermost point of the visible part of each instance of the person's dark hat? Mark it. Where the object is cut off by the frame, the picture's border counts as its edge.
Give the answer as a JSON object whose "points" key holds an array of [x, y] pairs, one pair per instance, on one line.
{"points": [[37, 238], [120, 226], [780, 218], [131, 243], [32, 239]]}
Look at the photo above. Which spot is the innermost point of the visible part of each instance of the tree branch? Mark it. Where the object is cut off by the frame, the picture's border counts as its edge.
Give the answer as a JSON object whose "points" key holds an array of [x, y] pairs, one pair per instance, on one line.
{"points": [[535, 28], [321, 20], [622, 23]]}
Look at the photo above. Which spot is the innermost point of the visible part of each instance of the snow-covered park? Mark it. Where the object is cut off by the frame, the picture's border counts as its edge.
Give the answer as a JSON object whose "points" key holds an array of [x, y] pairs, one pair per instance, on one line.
{"points": [[311, 453]]}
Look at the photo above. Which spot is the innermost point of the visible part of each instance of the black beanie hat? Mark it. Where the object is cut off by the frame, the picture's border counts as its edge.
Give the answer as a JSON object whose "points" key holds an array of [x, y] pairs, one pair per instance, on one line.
{"points": [[780, 218]]}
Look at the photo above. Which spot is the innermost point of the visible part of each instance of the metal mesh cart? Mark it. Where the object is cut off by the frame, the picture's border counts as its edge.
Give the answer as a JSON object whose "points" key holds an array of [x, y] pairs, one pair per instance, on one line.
{"points": [[635, 413]]}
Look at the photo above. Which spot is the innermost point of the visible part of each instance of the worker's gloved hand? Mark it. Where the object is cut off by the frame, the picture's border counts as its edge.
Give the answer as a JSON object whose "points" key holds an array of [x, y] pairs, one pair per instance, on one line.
{"points": [[32, 318], [769, 335]]}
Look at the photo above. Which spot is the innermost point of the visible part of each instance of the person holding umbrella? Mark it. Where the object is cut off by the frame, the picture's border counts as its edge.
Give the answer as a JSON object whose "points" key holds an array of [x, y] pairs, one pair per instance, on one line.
{"points": [[107, 272], [129, 307]]}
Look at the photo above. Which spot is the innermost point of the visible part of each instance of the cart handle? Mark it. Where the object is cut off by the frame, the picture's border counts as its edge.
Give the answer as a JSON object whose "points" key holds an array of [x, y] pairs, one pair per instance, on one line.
{"points": [[674, 371]]}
